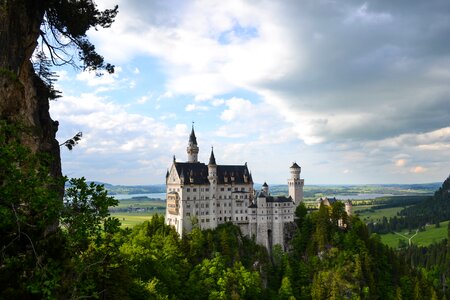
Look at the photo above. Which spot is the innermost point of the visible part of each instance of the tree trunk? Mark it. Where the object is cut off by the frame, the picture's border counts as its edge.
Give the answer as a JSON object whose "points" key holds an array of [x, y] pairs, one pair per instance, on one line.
{"points": [[24, 98]]}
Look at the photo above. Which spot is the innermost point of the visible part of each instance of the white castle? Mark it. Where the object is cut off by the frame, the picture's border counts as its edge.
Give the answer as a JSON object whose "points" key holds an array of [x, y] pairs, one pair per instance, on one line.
{"points": [[212, 194]]}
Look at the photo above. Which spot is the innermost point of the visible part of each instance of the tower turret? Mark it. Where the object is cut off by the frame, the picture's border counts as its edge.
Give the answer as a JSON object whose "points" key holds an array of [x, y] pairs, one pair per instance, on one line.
{"points": [[212, 168], [192, 149], [348, 207], [295, 184], [265, 188]]}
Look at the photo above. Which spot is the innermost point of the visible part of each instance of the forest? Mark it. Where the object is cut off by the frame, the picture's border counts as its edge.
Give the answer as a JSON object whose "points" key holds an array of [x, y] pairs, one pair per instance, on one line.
{"points": [[89, 255], [432, 210]]}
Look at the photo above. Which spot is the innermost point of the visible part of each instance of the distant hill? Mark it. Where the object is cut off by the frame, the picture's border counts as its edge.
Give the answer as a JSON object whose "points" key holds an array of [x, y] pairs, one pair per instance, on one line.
{"points": [[133, 189], [310, 191]]}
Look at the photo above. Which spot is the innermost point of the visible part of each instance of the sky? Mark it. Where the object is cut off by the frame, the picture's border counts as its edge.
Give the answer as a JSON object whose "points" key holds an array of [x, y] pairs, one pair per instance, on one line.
{"points": [[355, 92]]}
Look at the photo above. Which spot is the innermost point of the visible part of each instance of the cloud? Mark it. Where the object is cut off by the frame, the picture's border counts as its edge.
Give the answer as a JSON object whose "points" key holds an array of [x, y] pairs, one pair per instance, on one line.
{"points": [[335, 71], [418, 169], [236, 107], [361, 83], [115, 140], [143, 99], [92, 79], [193, 107], [400, 162]]}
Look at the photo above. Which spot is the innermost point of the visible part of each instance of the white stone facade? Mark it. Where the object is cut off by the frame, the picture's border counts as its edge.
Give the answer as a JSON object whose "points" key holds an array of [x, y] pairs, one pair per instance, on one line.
{"points": [[214, 194]]}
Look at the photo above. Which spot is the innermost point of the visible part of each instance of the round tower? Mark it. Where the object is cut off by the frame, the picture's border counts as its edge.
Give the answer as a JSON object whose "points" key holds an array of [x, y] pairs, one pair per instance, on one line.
{"points": [[265, 188], [295, 184], [192, 149], [348, 207], [295, 171]]}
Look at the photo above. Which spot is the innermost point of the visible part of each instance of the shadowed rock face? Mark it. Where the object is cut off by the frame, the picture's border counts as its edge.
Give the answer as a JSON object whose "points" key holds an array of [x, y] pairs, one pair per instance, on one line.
{"points": [[24, 98], [24, 101]]}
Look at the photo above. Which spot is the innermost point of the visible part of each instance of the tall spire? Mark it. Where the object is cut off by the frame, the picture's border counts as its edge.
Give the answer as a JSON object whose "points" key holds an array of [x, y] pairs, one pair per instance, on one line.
{"points": [[212, 159], [192, 138], [192, 149]]}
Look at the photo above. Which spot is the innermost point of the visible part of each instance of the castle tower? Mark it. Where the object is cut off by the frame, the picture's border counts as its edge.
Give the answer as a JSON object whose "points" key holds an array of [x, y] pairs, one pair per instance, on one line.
{"points": [[265, 188], [295, 184], [192, 149], [348, 207], [212, 168]]}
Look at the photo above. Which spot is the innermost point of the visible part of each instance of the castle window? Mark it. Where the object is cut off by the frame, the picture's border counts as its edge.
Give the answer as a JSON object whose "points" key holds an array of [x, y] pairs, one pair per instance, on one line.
{"points": [[188, 214], [188, 189], [207, 220], [229, 189], [245, 197], [188, 198], [241, 211], [188, 205], [194, 189], [236, 218], [237, 211], [196, 205], [221, 189], [195, 198], [207, 198], [201, 206], [235, 188], [203, 220], [243, 189], [276, 218], [245, 211], [207, 189]]}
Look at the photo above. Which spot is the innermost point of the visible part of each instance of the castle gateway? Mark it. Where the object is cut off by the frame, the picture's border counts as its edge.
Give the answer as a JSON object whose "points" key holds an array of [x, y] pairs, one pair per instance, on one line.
{"points": [[212, 194]]}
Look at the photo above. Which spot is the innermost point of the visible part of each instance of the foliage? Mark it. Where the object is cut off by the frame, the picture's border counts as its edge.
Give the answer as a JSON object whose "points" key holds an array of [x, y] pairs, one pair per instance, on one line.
{"points": [[42, 66], [64, 26], [29, 212], [51, 249], [75, 249], [432, 210]]}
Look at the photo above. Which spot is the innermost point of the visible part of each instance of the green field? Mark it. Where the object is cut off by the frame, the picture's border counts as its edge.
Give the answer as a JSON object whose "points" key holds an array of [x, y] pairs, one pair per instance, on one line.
{"points": [[131, 219], [423, 238], [136, 210], [375, 215], [367, 213]]}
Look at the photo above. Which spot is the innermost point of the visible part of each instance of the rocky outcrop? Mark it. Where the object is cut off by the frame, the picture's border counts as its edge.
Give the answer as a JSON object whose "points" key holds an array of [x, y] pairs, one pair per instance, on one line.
{"points": [[24, 102], [24, 98]]}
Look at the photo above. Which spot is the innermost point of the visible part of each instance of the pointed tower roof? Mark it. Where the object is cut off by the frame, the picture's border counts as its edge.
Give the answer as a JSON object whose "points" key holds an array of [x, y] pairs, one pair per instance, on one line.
{"points": [[212, 159], [192, 138], [265, 184], [295, 166]]}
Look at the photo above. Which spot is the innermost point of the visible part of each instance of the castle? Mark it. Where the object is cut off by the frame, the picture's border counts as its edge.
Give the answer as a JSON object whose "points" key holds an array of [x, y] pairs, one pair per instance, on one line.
{"points": [[212, 194]]}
